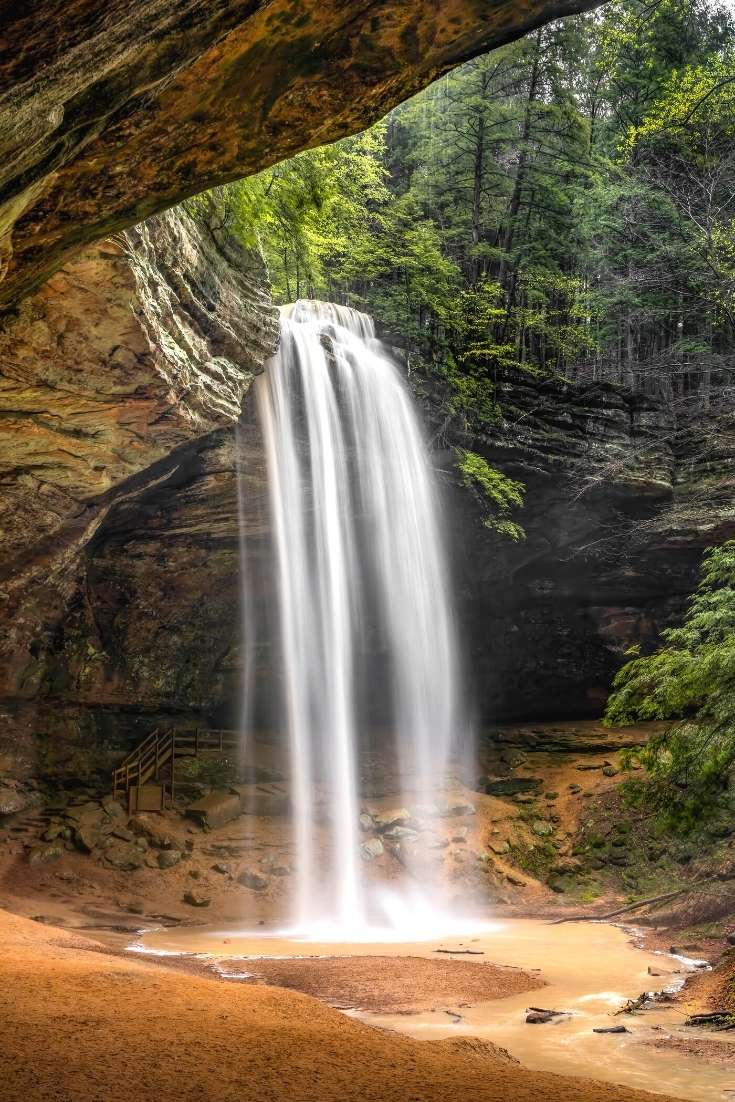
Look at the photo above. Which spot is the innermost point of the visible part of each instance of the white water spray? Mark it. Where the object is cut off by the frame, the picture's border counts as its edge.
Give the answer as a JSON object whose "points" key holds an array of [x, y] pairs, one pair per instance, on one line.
{"points": [[357, 537]]}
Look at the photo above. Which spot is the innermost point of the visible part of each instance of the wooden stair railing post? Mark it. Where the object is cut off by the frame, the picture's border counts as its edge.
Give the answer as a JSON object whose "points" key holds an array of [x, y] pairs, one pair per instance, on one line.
{"points": [[173, 764]]}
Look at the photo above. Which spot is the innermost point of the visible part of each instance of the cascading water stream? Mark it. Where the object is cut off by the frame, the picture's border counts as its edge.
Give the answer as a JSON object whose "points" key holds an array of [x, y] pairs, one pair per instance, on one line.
{"points": [[357, 538]]}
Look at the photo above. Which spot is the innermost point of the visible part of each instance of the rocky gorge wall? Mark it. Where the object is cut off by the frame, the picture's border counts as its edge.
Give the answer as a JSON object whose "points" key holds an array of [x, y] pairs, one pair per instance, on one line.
{"points": [[121, 603], [621, 501], [125, 372]]}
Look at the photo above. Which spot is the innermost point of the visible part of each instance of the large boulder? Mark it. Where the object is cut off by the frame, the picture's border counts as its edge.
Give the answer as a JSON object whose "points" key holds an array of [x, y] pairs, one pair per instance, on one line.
{"points": [[135, 354], [215, 810]]}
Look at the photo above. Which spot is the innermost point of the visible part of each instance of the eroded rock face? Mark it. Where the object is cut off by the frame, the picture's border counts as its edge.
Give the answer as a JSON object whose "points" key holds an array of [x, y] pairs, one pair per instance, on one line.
{"points": [[110, 377], [115, 111], [123, 379], [620, 505], [621, 502]]}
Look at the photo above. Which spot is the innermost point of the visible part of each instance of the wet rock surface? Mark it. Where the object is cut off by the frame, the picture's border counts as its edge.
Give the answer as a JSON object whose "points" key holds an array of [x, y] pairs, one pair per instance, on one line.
{"points": [[622, 497]]}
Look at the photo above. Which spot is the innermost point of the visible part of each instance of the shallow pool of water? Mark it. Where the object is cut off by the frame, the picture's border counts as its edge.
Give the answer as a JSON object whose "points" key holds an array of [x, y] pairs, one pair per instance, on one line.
{"points": [[590, 969]]}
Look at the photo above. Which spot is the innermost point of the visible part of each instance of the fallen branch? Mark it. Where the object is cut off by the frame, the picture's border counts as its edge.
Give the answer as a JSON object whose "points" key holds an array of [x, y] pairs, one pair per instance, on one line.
{"points": [[719, 1020], [460, 952], [663, 898]]}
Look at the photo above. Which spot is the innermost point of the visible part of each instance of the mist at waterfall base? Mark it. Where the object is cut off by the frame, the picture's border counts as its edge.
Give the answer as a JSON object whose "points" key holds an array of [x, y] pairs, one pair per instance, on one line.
{"points": [[357, 542]]}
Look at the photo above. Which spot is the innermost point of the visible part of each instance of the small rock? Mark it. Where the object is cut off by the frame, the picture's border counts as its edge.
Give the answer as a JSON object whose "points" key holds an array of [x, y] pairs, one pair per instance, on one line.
{"points": [[460, 834], [112, 808], [222, 867], [152, 830], [551, 796], [42, 855], [11, 801], [133, 908], [194, 899], [87, 837], [123, 856], [609, 771], [499, 847], [513, 758], [398, 817], [371, 849], [85, 814], [366, 821], [284, 870], [575, 788], [542, 828], [451, 809], [253, 879], [123, 834], [611, 1029], [536, 1015], [167, 858], [398, 832]]}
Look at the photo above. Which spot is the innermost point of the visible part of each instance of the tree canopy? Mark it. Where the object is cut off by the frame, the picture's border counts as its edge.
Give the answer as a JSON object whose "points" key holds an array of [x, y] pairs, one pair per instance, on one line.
{"points": [[564, 205]]}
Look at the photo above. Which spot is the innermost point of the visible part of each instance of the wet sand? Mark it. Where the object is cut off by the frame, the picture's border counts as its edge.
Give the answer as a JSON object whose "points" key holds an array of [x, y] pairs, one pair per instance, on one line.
{"points": [[82, 1025], [590, 970], [400, 985]]}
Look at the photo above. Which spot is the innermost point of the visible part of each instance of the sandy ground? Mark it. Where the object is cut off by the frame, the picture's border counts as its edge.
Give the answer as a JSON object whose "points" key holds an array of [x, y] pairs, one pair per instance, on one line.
{"points": [[396, 984], [81, 1025]]}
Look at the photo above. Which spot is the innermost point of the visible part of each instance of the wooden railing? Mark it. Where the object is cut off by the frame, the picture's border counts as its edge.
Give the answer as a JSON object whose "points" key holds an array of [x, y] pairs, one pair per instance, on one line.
{"points": [[159, 751]]}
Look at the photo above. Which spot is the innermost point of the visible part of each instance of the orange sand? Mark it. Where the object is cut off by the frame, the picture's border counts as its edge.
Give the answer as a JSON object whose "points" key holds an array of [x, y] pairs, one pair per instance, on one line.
{"points": [[80, 1025], [391, 984]]}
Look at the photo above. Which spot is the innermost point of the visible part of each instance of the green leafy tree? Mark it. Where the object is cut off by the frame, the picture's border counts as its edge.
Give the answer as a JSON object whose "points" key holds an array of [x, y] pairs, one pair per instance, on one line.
{"points": [[500, 495], [690, 680]]}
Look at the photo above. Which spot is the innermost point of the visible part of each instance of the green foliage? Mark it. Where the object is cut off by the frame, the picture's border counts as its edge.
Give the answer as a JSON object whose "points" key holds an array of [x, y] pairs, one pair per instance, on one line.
{"points": [[314, 216], [691, 680], [563, 206], [501, 494], [210, 770], [537, 860]]}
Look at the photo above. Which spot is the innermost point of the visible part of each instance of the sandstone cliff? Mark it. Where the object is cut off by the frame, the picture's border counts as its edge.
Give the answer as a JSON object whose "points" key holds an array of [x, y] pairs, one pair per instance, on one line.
{"points": [[124, 377], [622, 498], [114, 377], [112, 112]]}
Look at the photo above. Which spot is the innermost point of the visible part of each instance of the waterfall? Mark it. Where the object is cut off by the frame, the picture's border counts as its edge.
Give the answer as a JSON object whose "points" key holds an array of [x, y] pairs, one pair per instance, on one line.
{"points": [[358, 542]]}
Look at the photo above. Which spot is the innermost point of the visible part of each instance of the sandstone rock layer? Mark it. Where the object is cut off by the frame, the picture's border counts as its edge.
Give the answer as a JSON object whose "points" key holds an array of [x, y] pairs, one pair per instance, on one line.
{"points": [[113, 112]]}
